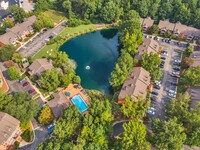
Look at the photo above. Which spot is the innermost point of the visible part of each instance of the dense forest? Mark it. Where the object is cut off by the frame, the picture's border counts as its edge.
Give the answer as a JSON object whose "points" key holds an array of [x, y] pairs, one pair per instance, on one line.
{"points": [[185, 11]]}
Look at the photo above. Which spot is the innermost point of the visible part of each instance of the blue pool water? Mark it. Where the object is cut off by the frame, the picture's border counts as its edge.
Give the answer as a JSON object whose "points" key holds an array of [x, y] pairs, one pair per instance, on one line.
{"points": [[78, 101]]}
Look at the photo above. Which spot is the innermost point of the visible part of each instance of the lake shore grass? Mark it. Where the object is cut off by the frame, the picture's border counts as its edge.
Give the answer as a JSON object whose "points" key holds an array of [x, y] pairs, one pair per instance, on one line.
{"points": [[65, 35]]}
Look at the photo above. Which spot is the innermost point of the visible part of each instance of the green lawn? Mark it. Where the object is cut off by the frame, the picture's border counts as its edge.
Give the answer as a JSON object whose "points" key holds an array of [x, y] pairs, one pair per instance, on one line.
{"points": [[56, 16], [66, 34]]}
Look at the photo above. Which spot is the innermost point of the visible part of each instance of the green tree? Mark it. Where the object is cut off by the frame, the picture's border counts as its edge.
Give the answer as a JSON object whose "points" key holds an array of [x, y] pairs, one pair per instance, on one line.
{"points": [[46, 116], [134, 109], [66, 79], [122, 69], [22, 107], [111, 12], [191, 77], [42, 5], [17, 57], [13, 73], [169, 135], [152, 64], [179, 108], [154, 29], [77, 79], [6, 52], [134, 136], [69, 124], [19, 13], [50, 79]]}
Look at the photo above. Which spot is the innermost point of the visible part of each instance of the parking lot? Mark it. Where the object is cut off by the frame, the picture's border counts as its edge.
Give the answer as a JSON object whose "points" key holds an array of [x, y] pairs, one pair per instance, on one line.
{"points": [[15, 85], [39, 41], [166, 88]]}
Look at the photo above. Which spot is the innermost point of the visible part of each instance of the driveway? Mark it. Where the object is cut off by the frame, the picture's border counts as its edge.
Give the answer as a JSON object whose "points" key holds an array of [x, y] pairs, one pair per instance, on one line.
{"points": [[163, 98], [41, 134], [39, 41], [15, 85]]}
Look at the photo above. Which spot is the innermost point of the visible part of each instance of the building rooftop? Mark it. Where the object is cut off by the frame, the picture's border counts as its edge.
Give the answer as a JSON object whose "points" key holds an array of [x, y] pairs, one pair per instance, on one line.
{"points": [[39, 66], [166, 25], [8, 125], [8, 38], [59, 103], [136, 84], [147, 22], [148, 46], [186, 30]]}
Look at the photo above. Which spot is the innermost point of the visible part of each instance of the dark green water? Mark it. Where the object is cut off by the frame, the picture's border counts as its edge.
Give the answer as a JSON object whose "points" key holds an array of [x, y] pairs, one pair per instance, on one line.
{"points": [[98, 50]]}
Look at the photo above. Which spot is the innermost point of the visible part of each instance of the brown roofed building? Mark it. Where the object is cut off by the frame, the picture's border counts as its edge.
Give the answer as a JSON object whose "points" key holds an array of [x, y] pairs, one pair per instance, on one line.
{"points": [[166, 25], [147, 23], [59, 103], [8, 38], [135, 85], [186, 32], [18, 32], [194, 92], [9, 130], [148, 46], [39, 66]]}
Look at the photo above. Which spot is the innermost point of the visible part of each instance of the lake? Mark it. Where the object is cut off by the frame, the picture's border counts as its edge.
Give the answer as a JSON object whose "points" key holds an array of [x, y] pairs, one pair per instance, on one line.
{"points": [[95, 54]]}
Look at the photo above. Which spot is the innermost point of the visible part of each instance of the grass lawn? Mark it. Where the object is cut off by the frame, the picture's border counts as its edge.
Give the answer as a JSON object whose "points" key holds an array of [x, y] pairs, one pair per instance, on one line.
{"points": [[66, 34], [55, 15]]}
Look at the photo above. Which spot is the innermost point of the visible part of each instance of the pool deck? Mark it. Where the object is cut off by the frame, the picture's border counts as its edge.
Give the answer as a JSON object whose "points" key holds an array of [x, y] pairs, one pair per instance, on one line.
{"points": [[74, 91]]}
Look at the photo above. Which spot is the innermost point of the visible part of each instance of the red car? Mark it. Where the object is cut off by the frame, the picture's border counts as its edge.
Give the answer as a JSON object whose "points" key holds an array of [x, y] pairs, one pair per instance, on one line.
{"points": [[31, 91], [25, 84]]}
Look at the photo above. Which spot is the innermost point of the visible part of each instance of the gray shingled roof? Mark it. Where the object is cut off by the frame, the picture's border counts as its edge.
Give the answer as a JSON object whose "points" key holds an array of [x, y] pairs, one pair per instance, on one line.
{"points": [[8, 125], [136, 84], [39, 66], [59, 103]]}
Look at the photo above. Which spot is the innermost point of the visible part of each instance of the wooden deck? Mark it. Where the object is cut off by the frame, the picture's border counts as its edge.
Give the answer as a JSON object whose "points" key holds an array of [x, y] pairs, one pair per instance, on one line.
{"points": [[74, 91]]}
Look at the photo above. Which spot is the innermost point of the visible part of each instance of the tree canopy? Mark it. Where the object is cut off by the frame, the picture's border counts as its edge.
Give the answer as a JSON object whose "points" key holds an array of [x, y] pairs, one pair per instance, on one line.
{"points": [[6, 52], [169, 135], [134, 136], [13, 73], [152, 64], [20, 105]]}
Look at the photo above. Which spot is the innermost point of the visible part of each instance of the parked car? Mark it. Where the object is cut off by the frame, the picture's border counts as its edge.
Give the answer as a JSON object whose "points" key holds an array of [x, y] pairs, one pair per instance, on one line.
{"points": [[177, 61], [172, 91], [176, 76], [156, 87], [163, 58], [157, 82], [154, 93], [51, 36], [161, 65], [153, 98], [22, 80], [176, 73], [151, 112], [151, 108], [176, 69], [174, 83], [171, 95], [31, 91], [177, 64], [25, 84]]}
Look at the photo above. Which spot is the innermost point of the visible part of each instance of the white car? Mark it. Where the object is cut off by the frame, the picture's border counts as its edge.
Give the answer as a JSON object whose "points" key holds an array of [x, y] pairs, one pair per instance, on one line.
{"points": [[176, 73], [172, 91], [177, 61], [151, 112], [158, 83], [171, 95], [151, 108]]}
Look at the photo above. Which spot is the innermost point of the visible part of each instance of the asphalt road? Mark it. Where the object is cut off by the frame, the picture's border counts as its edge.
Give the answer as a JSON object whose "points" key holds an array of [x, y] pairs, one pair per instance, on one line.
{"points": [[40, 135], [39, 41]]}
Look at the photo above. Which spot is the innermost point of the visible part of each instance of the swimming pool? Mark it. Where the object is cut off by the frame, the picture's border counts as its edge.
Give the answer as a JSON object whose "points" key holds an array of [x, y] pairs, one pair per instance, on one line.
{"points": [[78, 101]]}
